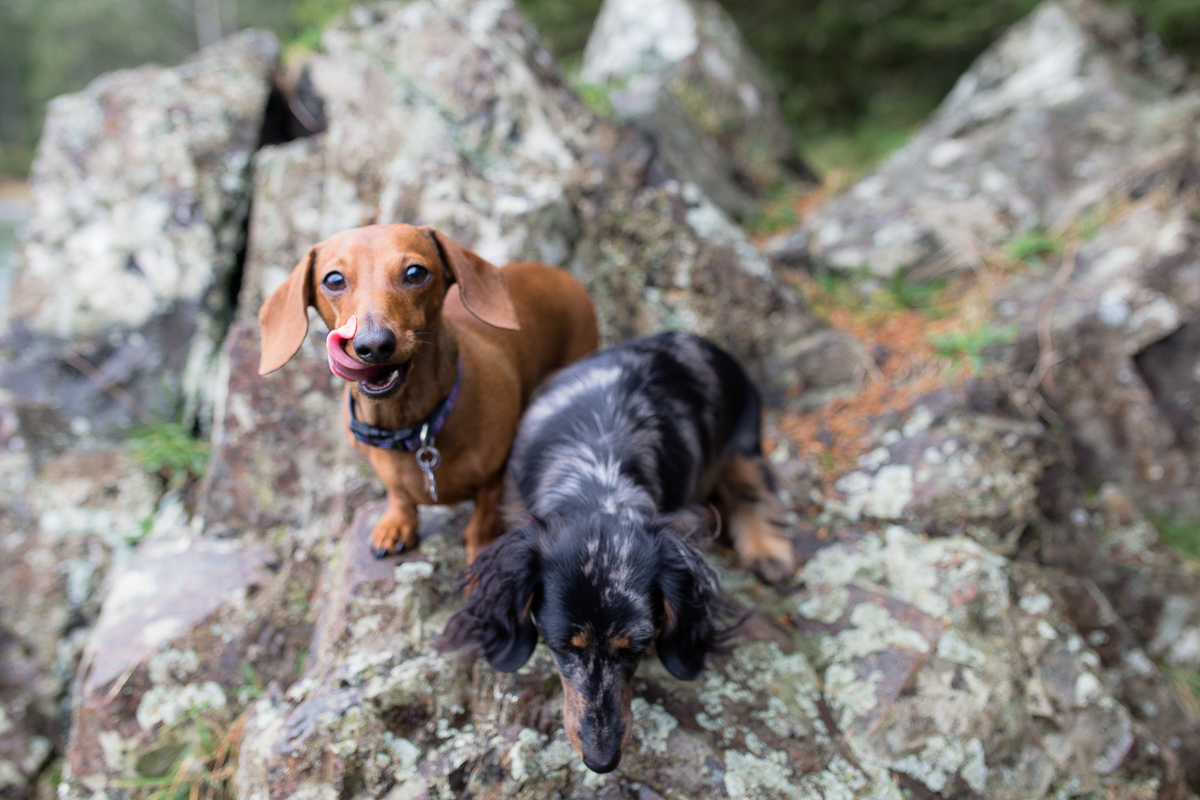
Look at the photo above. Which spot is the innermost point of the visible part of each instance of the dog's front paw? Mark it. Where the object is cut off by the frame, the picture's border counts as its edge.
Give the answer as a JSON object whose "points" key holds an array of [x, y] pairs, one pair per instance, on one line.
{"points": [[388, 538], [766, 550], [772, 571]]}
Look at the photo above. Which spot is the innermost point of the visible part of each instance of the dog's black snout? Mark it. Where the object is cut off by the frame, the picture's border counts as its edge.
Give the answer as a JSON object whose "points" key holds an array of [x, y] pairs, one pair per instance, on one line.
{"points": [[604, 768], [602, 736], [375, 345]]}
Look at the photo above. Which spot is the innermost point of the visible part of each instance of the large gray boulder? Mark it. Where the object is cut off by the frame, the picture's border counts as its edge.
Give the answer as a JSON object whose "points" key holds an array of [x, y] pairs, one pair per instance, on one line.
{"points": [[63, 525], [957, 673], [140, 191], [1070, 104], [909, 678], [679, 70], [1073, 135], [1119, 334], [946, 469]]}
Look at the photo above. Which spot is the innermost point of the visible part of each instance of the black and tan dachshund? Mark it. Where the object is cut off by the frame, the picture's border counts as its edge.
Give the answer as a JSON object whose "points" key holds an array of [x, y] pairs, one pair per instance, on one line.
{"points": [[612, 464]]}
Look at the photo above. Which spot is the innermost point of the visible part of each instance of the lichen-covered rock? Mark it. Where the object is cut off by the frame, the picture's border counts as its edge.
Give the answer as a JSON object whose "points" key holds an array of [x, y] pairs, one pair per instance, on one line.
{"points": [[1151, 591], [451, 114], [140, 191], [61, 528], [948, 471], [170, 644], [1120, 332], [953, 671], [1070, 104], [1135, 678], [913, 676], [213, 608], [381, 711], [679, 70], [1076, 124]]}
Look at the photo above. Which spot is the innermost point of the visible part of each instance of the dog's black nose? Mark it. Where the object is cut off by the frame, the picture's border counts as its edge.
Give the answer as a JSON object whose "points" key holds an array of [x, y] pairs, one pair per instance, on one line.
{"points": [[375, 345], [603, 768]]}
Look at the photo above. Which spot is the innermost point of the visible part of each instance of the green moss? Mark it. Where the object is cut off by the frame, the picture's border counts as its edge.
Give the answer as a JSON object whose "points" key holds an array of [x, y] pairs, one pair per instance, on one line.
{"points": [[1180, 534], [847, 151], [168, 448], [771, 217], [903, 293], [970, 345], [309, 19], [594, 97]]}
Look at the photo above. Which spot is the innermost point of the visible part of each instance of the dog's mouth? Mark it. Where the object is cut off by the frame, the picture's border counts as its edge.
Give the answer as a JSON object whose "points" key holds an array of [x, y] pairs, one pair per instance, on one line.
{"points": [[375, 380], [386, 379]]}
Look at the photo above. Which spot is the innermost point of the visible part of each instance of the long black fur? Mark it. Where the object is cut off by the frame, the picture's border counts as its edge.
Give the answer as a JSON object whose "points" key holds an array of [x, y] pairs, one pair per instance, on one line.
{"points": [[610, 463]]}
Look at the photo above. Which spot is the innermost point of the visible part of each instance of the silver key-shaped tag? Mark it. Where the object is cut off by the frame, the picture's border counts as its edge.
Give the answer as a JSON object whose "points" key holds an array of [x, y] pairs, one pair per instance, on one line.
{"points": [[428, 459]]}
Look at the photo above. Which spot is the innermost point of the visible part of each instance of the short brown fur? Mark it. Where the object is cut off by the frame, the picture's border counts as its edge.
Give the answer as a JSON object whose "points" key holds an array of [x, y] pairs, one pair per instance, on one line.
{"points": [[512, 328]]}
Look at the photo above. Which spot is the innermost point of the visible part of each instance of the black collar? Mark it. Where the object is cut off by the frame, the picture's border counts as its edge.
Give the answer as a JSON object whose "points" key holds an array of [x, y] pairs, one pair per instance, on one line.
{"points": [[408, 438]]}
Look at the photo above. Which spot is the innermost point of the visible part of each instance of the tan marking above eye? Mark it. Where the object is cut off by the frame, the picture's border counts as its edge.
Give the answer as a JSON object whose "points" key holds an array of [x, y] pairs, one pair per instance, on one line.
{"points": [[579, 641], [619, 642]]}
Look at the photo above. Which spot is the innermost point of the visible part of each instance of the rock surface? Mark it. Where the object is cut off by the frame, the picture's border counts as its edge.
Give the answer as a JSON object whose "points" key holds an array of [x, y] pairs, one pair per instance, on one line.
{"points": [[954, 671], [139, 196], [680, 71], [381, 711], [1063, 158], [1119, 332], [62, 526], [946, 471], [1072, 103]]}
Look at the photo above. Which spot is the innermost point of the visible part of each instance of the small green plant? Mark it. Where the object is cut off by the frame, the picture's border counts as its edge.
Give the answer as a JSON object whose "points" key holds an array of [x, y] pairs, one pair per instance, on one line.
{"points": [[301, 660], [1033, 246], [144, 527], [838, 288], [1181, 535], [903, 293], [971, 344], [771, 217], [203, 769], [311, 18], [169, 449], [1186, 681], [594, 96], [855, 149], [253, 688]]}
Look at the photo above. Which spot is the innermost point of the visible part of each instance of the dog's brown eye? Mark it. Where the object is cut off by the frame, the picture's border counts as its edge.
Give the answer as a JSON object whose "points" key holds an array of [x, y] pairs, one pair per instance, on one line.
{"points": [[415, 275], [335, 281]]}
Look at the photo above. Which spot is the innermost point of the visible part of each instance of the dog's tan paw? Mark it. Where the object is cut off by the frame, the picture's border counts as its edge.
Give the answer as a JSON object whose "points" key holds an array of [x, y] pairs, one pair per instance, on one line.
{"points": [[763, 548], [389, 537]]}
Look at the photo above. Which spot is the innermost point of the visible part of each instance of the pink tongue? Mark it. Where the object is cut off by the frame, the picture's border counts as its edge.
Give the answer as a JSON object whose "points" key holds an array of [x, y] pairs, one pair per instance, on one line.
{"points": [[343, 365]]}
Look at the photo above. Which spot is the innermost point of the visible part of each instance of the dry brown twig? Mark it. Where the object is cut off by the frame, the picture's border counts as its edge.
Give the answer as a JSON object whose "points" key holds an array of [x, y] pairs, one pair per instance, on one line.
{"points": [[1041, 374], [113, 390]]}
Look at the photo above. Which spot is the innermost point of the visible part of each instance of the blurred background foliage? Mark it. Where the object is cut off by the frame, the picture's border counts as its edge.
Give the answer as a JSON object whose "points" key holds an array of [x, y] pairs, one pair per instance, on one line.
{"points": [[854, 75]]}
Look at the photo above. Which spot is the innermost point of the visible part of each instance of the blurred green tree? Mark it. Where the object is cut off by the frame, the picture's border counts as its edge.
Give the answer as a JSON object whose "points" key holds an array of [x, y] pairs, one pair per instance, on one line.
{"points": [[864, 70]]}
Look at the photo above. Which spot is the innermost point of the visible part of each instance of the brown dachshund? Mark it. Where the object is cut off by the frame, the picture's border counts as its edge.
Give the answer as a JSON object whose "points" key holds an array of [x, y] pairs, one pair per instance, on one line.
{"points": [[446, 350]]}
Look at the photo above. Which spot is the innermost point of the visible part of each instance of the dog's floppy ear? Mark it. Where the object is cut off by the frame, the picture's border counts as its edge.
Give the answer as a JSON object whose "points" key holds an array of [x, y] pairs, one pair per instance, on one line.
{"points": [[691, 607], [283, 317], [481, 283], [501, 587]]}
